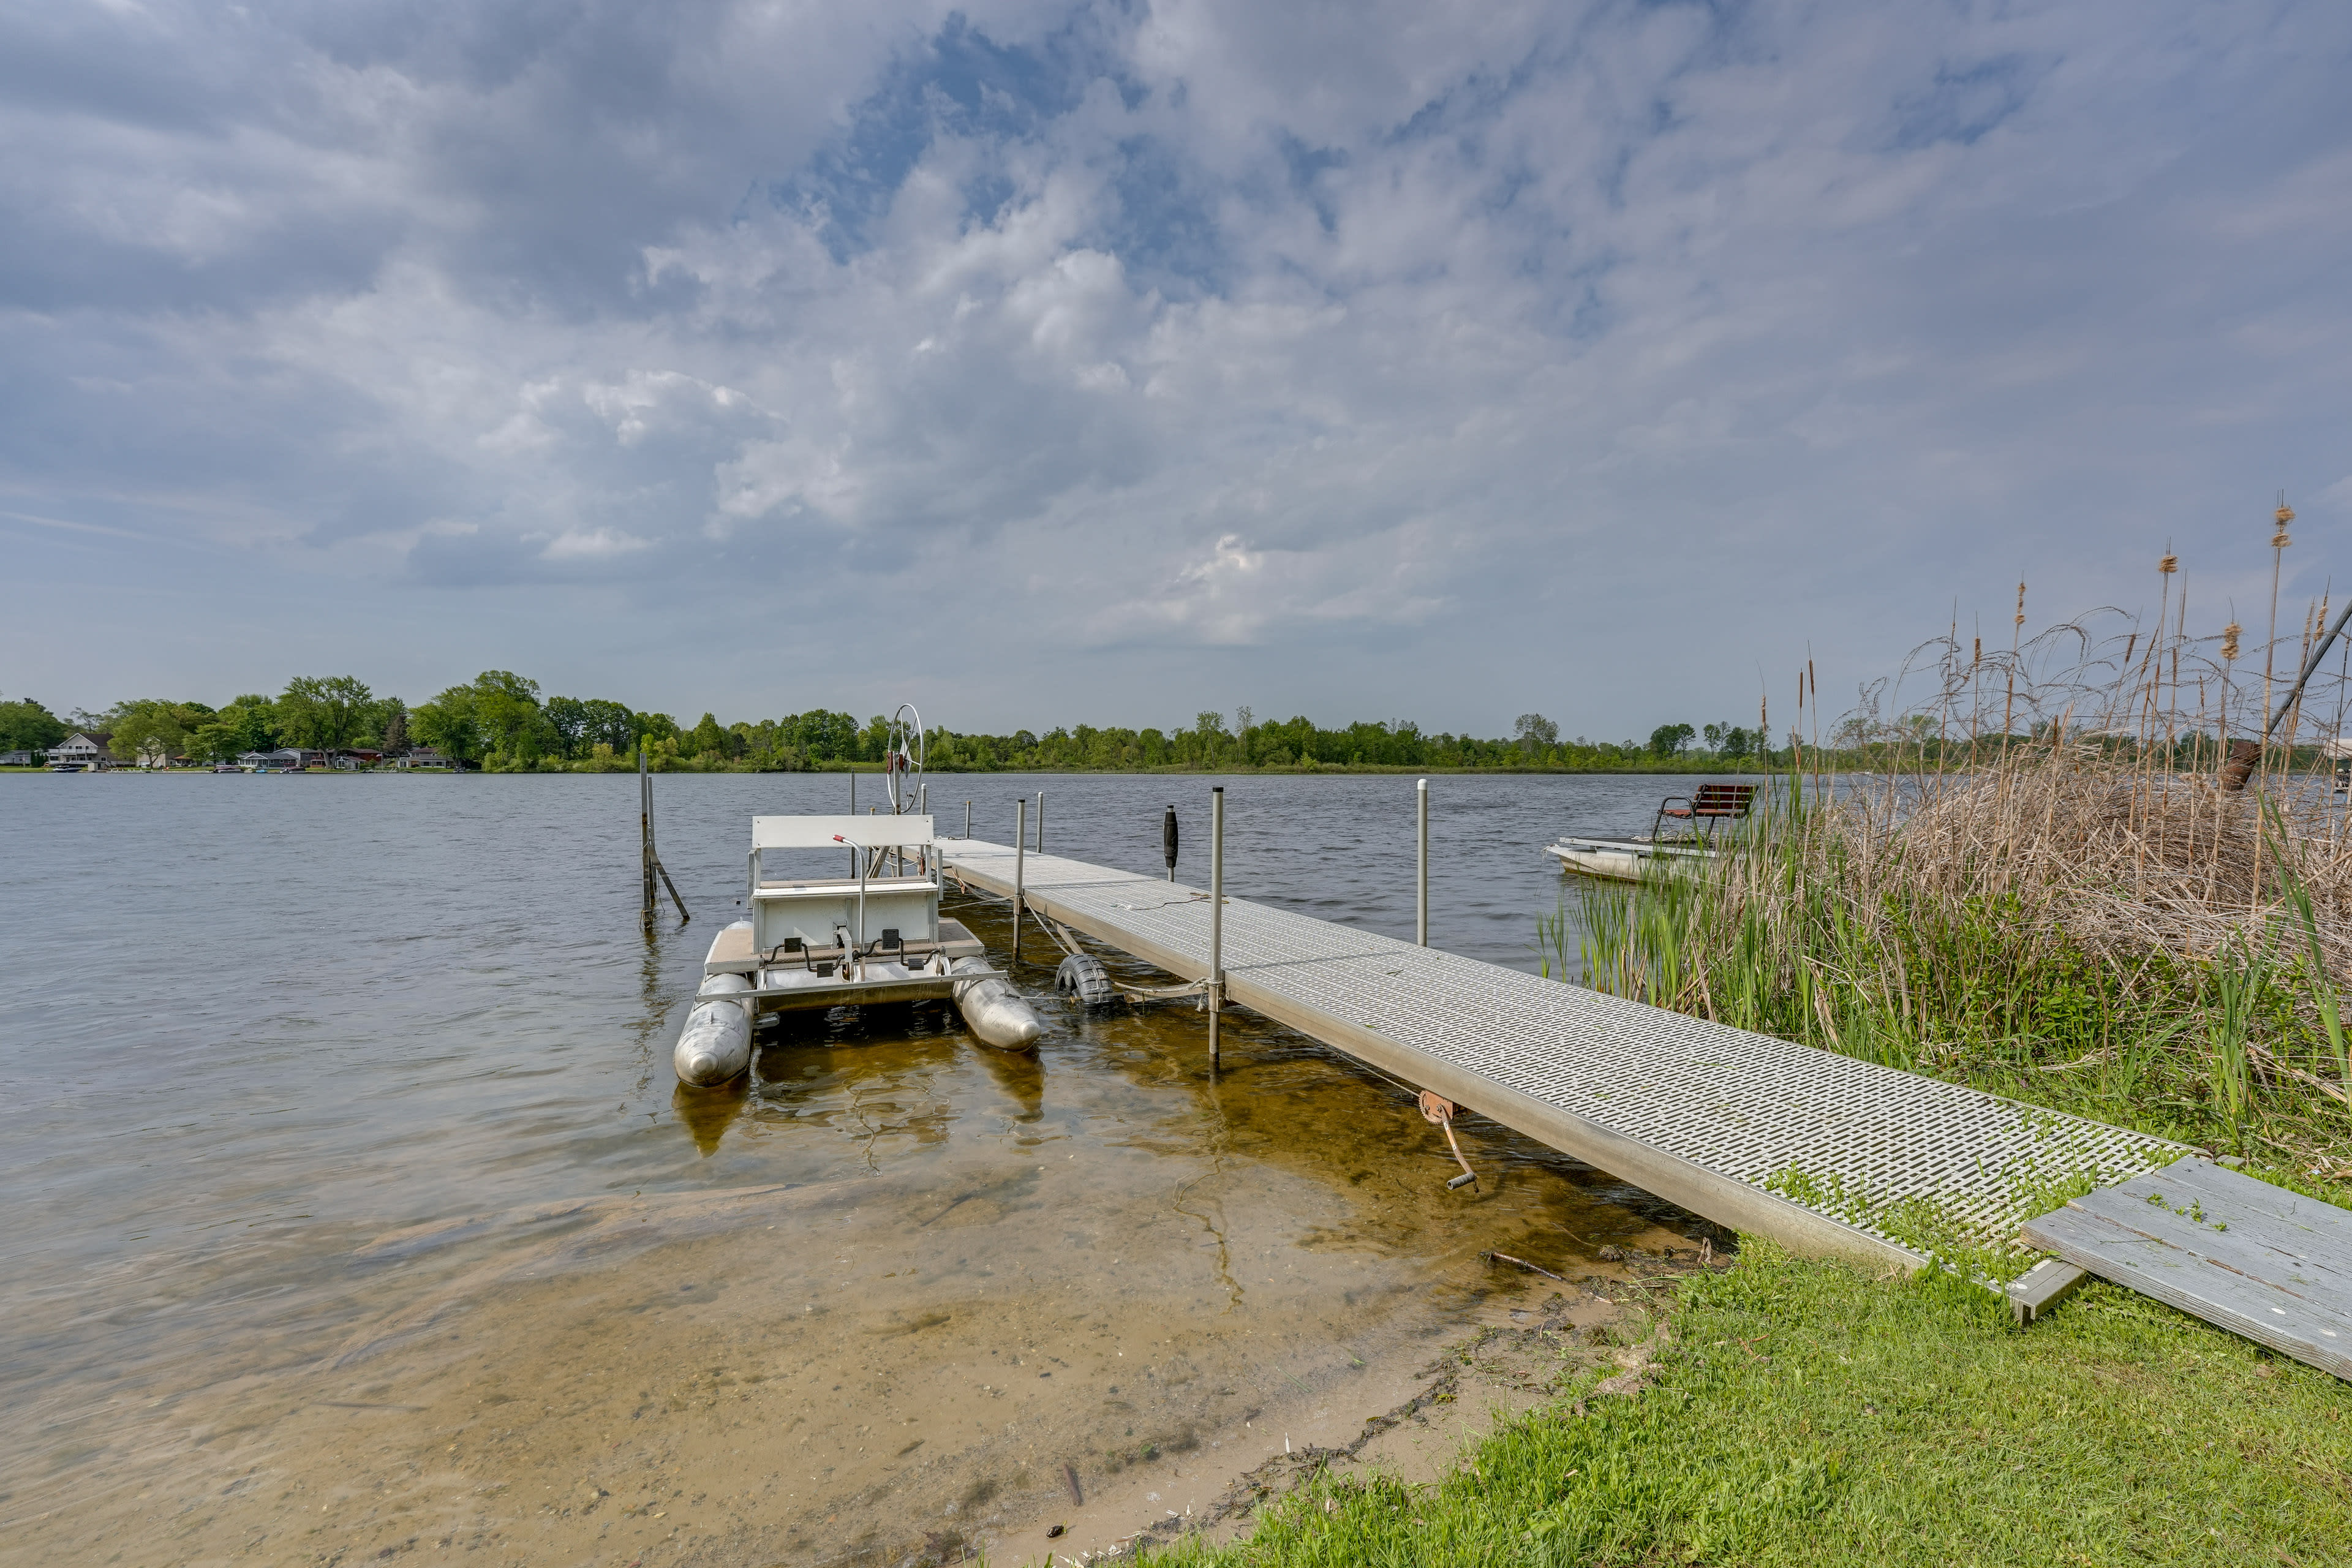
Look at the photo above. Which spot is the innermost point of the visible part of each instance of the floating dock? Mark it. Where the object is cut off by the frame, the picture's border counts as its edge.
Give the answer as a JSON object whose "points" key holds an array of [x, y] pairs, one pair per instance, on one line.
{"points": [[1808, 1147]]}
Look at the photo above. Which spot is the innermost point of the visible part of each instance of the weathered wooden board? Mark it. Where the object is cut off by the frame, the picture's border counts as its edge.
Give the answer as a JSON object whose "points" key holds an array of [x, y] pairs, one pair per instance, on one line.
{"points": [[2254, 1259]]}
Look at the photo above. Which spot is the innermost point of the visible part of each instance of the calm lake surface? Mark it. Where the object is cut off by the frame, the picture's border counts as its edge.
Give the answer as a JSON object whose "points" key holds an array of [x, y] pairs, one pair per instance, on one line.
{"points": [[353, 1206]]}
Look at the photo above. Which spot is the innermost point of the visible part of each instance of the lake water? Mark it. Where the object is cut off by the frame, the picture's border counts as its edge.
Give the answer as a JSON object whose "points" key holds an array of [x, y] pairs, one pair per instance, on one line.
{"points": [[354, 1209]]}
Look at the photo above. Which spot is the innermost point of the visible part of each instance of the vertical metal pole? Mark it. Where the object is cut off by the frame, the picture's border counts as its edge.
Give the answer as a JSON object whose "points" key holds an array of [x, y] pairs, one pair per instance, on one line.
{"points": [[1216, 920], [1041, 822], [853, 811], [1020, 843], [967, 819], [1420, 877]]}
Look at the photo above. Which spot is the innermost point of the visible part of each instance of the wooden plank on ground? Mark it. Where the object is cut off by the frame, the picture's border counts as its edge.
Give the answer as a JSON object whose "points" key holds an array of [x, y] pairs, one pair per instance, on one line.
{"points": [[2239, 1253], [2303, 1226]]}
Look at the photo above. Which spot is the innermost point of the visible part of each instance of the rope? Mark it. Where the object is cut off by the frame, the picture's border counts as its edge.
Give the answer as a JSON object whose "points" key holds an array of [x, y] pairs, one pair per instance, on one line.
{"points": [[1437, 1108]]}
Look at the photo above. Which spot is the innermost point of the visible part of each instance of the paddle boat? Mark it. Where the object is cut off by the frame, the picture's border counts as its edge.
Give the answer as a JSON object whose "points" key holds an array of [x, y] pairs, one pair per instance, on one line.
{"points": [[1631, 859], [1624, 859], [870, 937]]}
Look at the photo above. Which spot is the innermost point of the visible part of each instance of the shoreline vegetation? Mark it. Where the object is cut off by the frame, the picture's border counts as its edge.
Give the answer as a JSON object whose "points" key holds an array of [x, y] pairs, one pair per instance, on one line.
{"points": [[499, 722]]}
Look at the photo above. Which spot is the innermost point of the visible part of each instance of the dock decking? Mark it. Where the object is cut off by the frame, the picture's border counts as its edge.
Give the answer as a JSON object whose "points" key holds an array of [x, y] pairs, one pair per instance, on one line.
{"points": [[1697, 1112], [2259, 1260]]}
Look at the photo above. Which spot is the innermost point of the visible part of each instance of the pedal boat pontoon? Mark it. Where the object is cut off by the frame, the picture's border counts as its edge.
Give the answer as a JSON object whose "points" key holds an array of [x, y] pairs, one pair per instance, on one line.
{"points": [[1631, 859], [873, 937], [1624, 859]]}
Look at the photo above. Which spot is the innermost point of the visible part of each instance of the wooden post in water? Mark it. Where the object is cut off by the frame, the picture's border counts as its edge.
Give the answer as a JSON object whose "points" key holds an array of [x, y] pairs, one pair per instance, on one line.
{"points": [[652, 853], [1216, 920], [1020, 842], [644, 840], [1420, 879]]}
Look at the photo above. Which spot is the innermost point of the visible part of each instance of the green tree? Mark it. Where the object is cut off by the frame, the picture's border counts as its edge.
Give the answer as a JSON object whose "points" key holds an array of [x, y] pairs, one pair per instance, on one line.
{"points": [[325, 712], [1535, 732], [598, 723], [151, 731], [451, 725], [390, 724], [706, 739], [249, 723], [568, 717], [27, 726], [1668, 740], [514, 727]]}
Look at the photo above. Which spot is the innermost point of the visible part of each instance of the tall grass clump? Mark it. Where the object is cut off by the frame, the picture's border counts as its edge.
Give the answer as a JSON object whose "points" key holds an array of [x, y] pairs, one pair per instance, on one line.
{"points": [[2083, 915]]}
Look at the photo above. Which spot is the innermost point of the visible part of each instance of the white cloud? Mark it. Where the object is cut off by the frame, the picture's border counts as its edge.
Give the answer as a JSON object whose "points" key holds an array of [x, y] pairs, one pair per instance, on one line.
{"points": [[1476, 359]]}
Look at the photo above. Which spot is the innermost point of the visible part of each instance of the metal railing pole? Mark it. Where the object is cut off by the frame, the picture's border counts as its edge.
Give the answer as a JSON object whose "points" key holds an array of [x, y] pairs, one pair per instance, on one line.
{"points": [[1216, 920], [967, 819], [1020, 843], [1421, 875], [1040, 845]]}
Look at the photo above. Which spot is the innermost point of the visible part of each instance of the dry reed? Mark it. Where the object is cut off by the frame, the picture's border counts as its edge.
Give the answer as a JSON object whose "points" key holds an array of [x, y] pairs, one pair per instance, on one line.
{"points": [[2082, 914]]}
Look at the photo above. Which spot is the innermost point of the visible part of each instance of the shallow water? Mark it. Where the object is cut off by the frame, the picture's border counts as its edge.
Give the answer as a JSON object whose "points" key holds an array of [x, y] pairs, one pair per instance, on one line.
{"points": [[355, 1207]]}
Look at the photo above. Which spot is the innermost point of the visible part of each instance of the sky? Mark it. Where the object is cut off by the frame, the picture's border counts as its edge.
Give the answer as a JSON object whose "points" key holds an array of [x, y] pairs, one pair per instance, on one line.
{"points": [[1042, 363]]}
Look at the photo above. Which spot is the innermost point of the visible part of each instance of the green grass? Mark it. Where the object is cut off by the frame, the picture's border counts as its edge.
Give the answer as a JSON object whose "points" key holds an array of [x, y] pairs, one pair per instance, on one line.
{"points": [[1805, 1412]]}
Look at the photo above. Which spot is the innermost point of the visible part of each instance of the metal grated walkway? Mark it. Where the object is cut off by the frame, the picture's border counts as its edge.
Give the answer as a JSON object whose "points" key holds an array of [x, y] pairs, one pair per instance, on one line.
{"points": [[1696, 1112]]}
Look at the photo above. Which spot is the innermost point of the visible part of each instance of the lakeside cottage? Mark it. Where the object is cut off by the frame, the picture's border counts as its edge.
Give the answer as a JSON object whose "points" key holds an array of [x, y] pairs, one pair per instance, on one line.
{"points": [[22, 759], [84, 746], [424, 757], [285, 759]]}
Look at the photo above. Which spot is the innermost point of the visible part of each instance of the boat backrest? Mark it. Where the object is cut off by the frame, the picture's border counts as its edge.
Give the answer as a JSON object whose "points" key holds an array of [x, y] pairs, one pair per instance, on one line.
{"points": [[874, 832], [1723, 799]]}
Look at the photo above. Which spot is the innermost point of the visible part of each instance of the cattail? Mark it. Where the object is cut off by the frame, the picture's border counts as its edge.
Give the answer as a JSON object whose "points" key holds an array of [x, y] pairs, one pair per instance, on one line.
{"points": [[2285, 514], [2021, 604], [2169, 563], [1980, 655], [2229, 640]]}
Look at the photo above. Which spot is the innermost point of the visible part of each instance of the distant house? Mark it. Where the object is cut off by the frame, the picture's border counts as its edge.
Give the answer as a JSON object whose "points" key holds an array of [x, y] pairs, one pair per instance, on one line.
{"points": [[353, 758], [284, 759], [21, 759], [424, 757], [84, 746]]}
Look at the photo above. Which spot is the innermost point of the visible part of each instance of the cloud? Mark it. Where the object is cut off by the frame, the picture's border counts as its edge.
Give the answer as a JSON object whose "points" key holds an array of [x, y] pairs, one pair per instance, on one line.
{"points": [[1583, 357]]}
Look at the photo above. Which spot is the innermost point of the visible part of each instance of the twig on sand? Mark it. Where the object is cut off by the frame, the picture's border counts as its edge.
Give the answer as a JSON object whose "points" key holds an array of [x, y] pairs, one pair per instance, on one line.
{"points": [[1523, 1263]]}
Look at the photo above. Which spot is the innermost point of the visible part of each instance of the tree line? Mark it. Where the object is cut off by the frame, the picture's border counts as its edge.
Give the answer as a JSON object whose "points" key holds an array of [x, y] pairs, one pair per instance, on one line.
{"points": [[502, 722]]}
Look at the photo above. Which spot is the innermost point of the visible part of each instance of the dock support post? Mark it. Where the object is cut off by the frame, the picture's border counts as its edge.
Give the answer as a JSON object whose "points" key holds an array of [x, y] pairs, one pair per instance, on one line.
{"points": [[651, 854], [1216, 920], [1040, 845], [1421, 875], [644, 840], [853, 811], [967, 819], [1019, 844]]}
